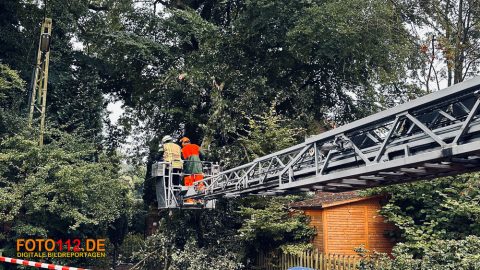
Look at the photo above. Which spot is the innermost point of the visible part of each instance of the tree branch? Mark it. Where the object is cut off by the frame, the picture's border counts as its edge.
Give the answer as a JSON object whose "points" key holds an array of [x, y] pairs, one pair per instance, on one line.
{"points": [[98, 8], [468, 67]]}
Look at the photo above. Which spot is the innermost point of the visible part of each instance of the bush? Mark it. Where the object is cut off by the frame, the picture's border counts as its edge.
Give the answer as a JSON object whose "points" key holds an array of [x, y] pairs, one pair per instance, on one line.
{"points": [[131, 244], [441, 255], [426, 211], [161, 252]]}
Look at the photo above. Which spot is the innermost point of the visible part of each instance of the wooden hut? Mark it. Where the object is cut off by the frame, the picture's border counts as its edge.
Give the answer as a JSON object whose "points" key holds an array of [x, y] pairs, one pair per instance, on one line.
{"points": [[345, 221]]}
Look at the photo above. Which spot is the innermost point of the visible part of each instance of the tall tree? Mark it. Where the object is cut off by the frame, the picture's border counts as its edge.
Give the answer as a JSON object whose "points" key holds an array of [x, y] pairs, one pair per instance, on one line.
{"points": [[194, 67], [74, 102], [65, 189], [12, 88], [454, 27]]}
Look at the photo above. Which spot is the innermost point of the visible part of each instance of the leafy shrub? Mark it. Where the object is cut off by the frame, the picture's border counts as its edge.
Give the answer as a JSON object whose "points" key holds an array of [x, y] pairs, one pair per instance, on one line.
{"points": [[440, 255], [131, 244], [161, 252], [269, 223], [440, 209]]}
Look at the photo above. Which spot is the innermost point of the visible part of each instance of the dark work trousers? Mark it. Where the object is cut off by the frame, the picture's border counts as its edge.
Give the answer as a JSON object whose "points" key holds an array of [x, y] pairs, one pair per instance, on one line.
{"points": [[176, 177]]}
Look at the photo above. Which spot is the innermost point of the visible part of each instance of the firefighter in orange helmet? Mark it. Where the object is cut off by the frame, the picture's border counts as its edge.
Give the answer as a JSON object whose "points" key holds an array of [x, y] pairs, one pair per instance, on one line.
{"points": [[192, 168]]}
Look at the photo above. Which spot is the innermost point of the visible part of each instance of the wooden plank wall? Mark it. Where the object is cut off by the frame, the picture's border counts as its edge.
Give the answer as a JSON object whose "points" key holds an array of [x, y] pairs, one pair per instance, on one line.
{"points": [[316, 220], [377, 240], [346, 228], [342, 228]]}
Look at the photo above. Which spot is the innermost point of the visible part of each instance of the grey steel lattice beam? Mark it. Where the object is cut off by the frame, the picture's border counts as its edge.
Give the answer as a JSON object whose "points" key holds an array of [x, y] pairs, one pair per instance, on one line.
{"points": [[432, 136]]}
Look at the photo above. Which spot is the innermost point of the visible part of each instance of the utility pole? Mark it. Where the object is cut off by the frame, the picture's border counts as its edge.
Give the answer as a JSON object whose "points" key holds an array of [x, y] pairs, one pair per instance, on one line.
{"points": [[38, 100]]}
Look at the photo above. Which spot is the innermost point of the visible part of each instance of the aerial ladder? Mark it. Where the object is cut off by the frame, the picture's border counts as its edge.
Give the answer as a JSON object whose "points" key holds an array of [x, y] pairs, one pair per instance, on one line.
{"points": [[38, 96], [433, 136]]}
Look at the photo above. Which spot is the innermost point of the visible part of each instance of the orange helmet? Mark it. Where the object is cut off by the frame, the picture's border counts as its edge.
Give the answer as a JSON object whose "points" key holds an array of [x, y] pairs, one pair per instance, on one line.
{"points": [[184, 140]]}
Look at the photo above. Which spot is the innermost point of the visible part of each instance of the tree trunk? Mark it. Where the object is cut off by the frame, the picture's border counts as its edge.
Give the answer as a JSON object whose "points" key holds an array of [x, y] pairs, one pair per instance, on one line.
{"points": [[114, 259], [448, 31], [458, 67]]}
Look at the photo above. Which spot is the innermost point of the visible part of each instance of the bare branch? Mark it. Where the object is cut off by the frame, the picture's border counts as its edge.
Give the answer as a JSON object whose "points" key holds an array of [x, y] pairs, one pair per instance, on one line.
{"points": [[98, 8], [468, 66]]}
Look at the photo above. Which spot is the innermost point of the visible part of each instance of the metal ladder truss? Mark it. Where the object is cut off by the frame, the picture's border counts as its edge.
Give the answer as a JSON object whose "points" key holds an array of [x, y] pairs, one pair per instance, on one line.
{"points": [[433, 136]]}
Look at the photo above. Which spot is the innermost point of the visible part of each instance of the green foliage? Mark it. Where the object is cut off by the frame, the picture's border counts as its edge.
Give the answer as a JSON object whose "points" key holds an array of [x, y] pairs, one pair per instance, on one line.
{"points": [[75, 102], [441, 255], [371, 261], [66, 188], [10, 85], [131, 244], [358, 44], [12, 88], [194, 240], [197, 258], [438, 223], [444, 254], [268, 133], [440, 209], [269, 223], [228, 237], [207, 69]]}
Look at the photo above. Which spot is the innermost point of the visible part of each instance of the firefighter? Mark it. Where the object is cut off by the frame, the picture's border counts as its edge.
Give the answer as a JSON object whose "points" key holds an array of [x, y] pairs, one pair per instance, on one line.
{"points": [[192, 168], [172, 154]]}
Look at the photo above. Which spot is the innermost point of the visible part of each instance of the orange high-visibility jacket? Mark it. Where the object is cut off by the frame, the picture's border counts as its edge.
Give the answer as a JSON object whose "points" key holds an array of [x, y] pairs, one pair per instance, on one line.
{"points": [[189, 150], [191, 154]]}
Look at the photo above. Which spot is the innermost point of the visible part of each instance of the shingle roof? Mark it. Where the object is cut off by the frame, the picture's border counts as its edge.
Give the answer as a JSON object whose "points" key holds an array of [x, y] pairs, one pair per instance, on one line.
{"points": [[324, 199]]}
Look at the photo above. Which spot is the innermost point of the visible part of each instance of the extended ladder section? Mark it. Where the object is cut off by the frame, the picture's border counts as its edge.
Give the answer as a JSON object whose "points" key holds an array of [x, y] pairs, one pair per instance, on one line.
{"points": [[433, 136], [38, 96]]}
